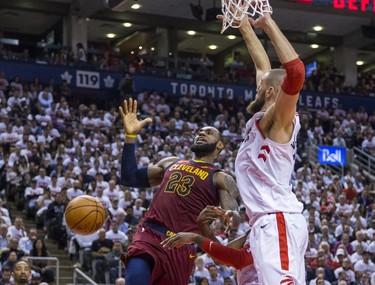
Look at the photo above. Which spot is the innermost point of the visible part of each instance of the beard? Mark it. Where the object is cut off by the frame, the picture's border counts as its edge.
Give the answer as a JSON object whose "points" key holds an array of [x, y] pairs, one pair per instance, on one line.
{"points": [[201, 150], [256, 105]]}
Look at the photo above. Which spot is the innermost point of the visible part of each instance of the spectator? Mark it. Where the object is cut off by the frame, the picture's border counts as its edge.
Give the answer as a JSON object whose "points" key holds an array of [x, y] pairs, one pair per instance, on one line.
{"points": [[3, 236], [54, 217], [200, 271], [45, 97], [11, 260], [17, 230], [214, 278], [112, 262], [40, 250], [75, 191], [32, 193], [6, 275], [12, 247], [320, 278], [81, 54], [99, 248], [346, 266], [26, 243], [114, 233], [364, 265], [82, 246]]}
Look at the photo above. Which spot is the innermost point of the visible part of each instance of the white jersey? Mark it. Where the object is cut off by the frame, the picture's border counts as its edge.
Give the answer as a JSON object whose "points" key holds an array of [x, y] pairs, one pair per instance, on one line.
{"points": [[263, 171]]}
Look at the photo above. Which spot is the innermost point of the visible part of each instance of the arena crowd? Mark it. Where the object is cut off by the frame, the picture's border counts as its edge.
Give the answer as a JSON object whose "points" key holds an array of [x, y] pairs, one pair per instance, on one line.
{"points": [[53, 148]]}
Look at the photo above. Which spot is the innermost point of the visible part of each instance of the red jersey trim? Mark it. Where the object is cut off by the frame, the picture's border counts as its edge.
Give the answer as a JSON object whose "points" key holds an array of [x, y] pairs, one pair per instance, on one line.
{"points": [[260, 130], [283, 242]]}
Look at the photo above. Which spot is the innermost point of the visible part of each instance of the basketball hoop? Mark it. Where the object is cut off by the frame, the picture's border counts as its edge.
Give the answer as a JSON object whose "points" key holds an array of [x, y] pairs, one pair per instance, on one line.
{"points": [[235, 10]]}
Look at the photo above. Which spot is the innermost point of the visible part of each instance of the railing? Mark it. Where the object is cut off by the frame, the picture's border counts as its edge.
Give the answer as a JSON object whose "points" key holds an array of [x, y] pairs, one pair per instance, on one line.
{"points": [[313, 157], [77, 272], [364, 160], [57, 279]]}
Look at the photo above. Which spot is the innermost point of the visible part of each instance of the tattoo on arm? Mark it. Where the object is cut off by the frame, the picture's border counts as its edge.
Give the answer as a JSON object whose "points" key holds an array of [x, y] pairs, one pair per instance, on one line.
{"points": [[229, 193]]}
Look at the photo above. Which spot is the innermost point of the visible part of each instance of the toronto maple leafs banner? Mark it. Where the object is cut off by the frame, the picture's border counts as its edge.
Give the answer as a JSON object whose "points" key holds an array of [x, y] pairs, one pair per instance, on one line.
{"points": [[76, 77], [105, 84], [309, 100]]}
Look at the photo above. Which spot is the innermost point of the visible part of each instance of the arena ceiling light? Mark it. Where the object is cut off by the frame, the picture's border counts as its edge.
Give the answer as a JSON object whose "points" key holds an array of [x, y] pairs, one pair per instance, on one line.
{"points": [[111, 35], [191, 33], [360, 62], [314, 46], [318, 28], [213, 47], [231, 37], [127, 25], [135, 6]]}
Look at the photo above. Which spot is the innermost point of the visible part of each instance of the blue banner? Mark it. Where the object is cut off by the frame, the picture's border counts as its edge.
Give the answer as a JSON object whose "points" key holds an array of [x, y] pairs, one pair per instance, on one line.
{"points": [[332, 155], [105, 83], [76, 77]]}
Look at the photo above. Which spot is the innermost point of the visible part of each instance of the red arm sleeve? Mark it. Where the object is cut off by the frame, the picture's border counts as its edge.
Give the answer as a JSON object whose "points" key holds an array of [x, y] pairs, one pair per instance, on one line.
{"points": [[237, 258], [294, 78]]}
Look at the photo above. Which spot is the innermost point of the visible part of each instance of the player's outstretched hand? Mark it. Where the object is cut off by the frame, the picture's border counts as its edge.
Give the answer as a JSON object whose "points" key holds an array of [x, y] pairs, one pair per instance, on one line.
{"points": [[179, 240], [129, 117]]}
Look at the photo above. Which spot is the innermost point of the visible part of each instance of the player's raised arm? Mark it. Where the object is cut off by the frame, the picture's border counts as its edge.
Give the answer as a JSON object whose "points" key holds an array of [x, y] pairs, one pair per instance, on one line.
{"points": [[131, 176], [284, 109], [255, 49], [253, 44]]}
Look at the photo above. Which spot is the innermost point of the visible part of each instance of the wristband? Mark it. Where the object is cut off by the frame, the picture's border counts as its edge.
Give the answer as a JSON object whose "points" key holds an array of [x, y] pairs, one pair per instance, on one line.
{"points": [[130, 136]]}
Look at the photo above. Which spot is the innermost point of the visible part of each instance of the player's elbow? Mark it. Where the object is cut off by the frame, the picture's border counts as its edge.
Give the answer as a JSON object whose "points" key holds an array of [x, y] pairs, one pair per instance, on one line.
{"points": [[294, 78]]}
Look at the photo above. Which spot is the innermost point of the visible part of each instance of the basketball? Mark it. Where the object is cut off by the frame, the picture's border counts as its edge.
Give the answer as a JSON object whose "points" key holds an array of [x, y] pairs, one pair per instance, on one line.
{"points": [[85, 215]]}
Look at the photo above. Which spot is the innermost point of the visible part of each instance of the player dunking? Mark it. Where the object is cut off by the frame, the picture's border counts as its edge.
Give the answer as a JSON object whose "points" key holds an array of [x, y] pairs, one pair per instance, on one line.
{"points": [[185, 189], [265, 160]]}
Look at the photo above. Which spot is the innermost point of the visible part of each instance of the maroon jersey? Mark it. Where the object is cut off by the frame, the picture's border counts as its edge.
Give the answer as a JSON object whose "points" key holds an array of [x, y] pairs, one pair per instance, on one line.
{"points": [[187, 188]]}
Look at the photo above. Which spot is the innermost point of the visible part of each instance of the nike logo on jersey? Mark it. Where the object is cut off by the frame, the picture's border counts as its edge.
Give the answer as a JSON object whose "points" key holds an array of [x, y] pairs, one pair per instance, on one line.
{"points": [[191, 256], [262, 226]]}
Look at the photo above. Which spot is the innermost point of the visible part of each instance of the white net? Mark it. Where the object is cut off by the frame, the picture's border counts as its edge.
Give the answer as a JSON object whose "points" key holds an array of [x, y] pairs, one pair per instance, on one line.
{"points": [[235, 10]]}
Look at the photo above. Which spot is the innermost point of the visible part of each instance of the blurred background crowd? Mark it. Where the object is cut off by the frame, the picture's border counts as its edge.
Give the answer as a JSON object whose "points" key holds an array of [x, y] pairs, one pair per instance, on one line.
{"points": [[55, 147]]}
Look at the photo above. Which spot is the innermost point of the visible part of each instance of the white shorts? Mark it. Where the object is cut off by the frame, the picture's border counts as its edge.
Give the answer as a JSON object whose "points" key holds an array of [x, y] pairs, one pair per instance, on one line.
{"points": [[278, 244]]}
